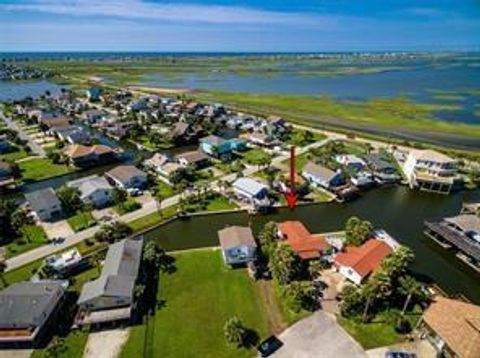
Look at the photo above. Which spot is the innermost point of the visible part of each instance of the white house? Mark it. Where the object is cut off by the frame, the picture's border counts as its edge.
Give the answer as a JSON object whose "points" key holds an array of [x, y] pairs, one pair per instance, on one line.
{"points": [[351, 161], [250, 190], [45, 204], [94, 190], [127, 177], [238, 245], [321, 176]]}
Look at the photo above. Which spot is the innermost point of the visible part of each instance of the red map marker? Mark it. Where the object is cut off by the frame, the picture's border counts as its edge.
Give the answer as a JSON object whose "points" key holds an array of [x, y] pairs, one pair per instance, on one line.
{"points": [[290, 195]]}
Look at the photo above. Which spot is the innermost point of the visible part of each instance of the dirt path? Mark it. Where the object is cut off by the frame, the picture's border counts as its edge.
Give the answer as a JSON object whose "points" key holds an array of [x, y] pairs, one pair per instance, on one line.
{"points": [[106, 344], [275, 320]]}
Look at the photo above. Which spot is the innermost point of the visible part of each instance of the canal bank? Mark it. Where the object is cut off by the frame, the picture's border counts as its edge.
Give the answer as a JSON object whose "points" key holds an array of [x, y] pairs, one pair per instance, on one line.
{"points": [[397, 209]]}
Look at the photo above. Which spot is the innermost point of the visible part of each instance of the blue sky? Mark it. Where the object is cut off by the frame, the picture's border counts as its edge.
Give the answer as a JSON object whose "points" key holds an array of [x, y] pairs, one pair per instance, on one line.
{"points": [[249, 25]]}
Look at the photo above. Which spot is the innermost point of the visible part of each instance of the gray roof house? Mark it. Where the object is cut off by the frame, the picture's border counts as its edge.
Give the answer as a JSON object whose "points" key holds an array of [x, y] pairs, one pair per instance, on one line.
{"points": [[110, 297], [127, 176], [94, 190], [249, 189], [25, 308], [322, 176], [238, 245], [45, 204]]}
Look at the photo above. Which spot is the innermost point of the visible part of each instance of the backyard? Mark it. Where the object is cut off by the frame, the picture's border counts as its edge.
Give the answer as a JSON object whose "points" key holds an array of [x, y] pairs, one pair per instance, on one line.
{"points": [[36, 169], [32, 237], [218, 293]]}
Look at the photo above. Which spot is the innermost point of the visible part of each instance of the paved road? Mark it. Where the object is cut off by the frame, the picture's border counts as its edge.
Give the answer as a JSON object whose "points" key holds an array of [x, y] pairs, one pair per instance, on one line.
{"points": [[318, 335], [36, 149]]}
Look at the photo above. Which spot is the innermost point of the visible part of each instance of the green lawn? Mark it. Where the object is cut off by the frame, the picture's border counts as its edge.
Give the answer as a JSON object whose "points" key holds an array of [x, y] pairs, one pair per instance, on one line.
{"points": [[256, 157], [219, 202], [165, 190], [18, 153], [127, 207], [72, 347], [32, 237], [199, 297], [81, 221], [36, 169], [153, 219]]}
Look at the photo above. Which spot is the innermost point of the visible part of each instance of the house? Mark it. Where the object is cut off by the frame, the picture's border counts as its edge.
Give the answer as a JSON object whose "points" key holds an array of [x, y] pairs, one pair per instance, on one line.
{"points": [[195, 159], [5, 145], [357, 263], [263, 140], [183, 132], [383, 171], [219, 147], [6, 174], [65, 263], [351, 161], [94, 190], [74, 135], [430, 170], [250, 190], [452, 327], [238, 245], [93, 115], [322, 176], [26, 308], [87, 155], [44, 204], [94, 93], [54, 124], [127, 177], [110, 297], [162, 166], [304, 244]]}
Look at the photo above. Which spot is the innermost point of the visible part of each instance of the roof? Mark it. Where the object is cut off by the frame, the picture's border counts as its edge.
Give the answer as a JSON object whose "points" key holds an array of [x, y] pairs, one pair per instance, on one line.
{"points": [[180, 128], [431, 156], [5, 168], [79, 150], [56, 122], [457, 323], [213, 140], [377, 161], [157, 160], [318, 170], [41, 199], [467, 222], [301, 241], [124, 173], [234, 236], [119, 272], [249, 186], [25, 304], [90, 184], [366, 258], [193, 156]]}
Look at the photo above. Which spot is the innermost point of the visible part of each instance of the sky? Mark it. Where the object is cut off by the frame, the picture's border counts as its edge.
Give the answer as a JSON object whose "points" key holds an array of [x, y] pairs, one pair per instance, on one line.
{"points": [[239, 26]]}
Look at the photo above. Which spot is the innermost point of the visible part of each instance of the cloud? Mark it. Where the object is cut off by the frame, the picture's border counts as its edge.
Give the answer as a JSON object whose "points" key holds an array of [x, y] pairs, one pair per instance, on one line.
{"points": [[425, 12], [138, 9]]}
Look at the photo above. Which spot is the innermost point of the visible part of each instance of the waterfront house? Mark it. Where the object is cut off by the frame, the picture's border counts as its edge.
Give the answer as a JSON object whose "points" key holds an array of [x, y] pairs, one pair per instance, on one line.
{"points": [[430, 170], [73, 135], [262, 139], [162, 165], [183, 132], [250, 190], [5, 145], [110, 297], [238, 245], [461, 232], [94, 190], [351, 161], [88, 155], [195, 159], [357, 263], [453, 328], [302, 242], [45, 204], [221, 148], [53, 124], [127, 177], [321, 176], [93, 115], [94, 93], [383, 171], [25, 309], [6, 174]]}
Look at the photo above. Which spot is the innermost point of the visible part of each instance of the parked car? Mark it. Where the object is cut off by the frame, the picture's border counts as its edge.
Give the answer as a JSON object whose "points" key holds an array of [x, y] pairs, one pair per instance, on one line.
{"points": [[269, 346], [400, 355], [134, 192]]}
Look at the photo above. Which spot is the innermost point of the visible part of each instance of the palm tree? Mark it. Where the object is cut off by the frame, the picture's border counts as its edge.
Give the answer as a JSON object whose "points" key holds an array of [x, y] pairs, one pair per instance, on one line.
{"points": [[3, 267], [410, 288], [369, 291], [234, 331]]}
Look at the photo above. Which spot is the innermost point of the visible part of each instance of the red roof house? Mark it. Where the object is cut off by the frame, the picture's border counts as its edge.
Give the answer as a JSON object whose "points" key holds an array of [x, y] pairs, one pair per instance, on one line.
{"points": [[305, 245], [356, 263]]}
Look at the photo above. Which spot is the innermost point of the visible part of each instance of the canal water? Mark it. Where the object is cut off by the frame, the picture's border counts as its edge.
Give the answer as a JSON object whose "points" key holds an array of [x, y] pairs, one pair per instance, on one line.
{"points": [[397, 209], [15, 91]]}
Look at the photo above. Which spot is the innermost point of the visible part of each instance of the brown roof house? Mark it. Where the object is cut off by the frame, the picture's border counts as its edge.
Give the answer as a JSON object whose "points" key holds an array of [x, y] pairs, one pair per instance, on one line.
{"points": [[453, 328], [195, 158], [89, 155], [238, 245], [127, 177]]}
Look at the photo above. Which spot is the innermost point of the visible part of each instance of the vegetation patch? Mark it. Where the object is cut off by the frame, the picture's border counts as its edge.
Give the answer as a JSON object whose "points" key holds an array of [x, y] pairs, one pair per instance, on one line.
{"points": [[36, 169], [81, 221]]}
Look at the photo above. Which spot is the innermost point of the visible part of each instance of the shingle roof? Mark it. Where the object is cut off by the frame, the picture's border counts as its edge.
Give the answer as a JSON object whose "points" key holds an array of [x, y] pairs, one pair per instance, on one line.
{"points": [[249, 186], [213, 140], [41, 199], [366, 258], [234, 236], [457, 323], [318, 171], [468, 222], [301, 241], [90, 184], [193, 156], [26, 304], [124, 173], [119, 272], [79, 150]]}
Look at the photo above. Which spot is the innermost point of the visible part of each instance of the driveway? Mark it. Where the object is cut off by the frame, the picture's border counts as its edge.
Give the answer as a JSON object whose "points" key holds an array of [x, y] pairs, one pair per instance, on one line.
{"points": [[421, 347], [106, 344], [318, 335], [36, 149], [16, 353], [57, 229], [335, 283]]}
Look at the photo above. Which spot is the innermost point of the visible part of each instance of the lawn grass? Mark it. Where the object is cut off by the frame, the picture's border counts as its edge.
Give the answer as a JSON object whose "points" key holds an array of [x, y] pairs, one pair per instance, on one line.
{"points": [[256, 156], [17, 154], [36, 169], [81, 221], [127, 206], [32, 237], [165, 190], [199, 297], [219, 202], [153, 219], [72, 347]]}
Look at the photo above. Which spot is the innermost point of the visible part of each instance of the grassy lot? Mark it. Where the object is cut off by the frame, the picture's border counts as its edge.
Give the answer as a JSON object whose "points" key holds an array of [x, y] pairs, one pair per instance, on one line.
{"points": [[32, 237], [300, 138], [127, 207], [219, 202], [256, 157], [41, 168], [18, 153], [81, 221], [165, 190], [199, 297], [153, 219], [72, 346]]}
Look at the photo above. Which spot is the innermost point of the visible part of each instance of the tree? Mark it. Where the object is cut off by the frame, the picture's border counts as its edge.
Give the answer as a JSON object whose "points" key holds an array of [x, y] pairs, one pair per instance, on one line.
{"points": [[268, 239], [234, 331], [357, 231], [113, 232], [70, 198], [138, 292], [7, 207], [119, 196], [315, 267], [395, 264], [410, 288], [352, 301], [369, 292], [283, 264], [19, 219], [299, 295], [3, 267]]}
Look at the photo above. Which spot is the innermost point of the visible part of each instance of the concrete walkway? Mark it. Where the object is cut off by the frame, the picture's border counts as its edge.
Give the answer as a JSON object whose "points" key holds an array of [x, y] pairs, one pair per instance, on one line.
{"points": [[318, 335], [36, 148], [106, 344]]}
